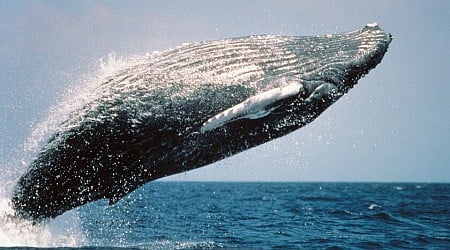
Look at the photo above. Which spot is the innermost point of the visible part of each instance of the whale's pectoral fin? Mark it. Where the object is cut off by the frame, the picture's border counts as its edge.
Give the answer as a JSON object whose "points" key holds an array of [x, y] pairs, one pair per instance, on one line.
{"points": [[254, 107]]}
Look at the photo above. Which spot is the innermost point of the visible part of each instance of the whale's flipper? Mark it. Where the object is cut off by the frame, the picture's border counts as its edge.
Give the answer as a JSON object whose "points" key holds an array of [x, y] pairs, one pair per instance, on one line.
{"points": [[256, 106]]}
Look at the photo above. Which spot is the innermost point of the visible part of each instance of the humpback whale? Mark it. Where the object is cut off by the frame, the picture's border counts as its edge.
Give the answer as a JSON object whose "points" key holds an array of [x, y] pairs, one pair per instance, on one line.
{"points": [[188, 107]]}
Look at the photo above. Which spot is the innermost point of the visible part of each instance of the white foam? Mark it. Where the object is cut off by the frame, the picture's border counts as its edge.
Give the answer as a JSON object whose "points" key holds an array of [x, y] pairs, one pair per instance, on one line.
{"points": [[373, 206], [62, 232]]}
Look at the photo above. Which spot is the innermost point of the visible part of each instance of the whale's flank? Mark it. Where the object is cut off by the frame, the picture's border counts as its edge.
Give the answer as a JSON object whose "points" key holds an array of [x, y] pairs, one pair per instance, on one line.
{"points": [[172, 111]]}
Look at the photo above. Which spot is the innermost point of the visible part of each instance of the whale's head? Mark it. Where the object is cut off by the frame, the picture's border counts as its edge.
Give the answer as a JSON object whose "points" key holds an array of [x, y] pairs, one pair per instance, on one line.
{"points": [[303, 77], [341, 60]]}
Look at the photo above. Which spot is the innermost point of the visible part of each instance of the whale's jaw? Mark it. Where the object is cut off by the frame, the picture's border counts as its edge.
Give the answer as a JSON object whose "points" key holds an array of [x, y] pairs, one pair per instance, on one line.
{"points": [[188, 107]]}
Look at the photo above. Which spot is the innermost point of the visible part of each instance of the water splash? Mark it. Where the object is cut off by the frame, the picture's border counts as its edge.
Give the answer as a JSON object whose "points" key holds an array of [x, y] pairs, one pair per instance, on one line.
{"points": [[65, 230], [76, 98]]}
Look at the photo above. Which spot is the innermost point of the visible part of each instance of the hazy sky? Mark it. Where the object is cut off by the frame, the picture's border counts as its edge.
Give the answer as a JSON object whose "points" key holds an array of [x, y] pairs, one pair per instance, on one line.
{"points": [[393, 126]]}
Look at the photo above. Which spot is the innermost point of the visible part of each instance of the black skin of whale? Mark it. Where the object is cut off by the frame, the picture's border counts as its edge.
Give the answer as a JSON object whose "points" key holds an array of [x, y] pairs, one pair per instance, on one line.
{"points": [[119, 144]]}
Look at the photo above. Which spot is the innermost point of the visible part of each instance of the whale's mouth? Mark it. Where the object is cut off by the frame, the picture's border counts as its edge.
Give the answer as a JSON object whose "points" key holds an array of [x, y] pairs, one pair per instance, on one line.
{"points": [[319, 90]]}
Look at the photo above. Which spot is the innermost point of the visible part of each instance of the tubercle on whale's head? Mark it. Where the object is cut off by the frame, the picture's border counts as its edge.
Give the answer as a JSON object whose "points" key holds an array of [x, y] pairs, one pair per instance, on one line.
{"points": [[372, 44], [344, 59]]}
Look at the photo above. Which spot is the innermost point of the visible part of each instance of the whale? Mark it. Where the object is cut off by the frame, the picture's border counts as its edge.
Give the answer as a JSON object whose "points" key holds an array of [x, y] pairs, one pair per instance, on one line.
{"points": [[188, 107]]}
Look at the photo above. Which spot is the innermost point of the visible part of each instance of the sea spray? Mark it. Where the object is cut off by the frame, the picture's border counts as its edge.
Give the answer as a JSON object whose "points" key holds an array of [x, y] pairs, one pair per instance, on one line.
{"points": [[75, 98], [64, 231]]}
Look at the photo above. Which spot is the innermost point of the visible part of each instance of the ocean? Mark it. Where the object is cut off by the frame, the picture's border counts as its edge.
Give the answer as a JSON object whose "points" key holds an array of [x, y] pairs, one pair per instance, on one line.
{"points": [[216, 215]]}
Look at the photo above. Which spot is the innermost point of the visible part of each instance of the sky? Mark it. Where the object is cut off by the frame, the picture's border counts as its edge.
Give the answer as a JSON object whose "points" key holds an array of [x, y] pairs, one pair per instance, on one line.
{"points": [[394, 126]]}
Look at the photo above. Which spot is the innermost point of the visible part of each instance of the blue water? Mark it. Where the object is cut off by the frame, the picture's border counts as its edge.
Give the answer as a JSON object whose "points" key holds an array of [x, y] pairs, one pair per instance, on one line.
{"points": [[186, 215]]}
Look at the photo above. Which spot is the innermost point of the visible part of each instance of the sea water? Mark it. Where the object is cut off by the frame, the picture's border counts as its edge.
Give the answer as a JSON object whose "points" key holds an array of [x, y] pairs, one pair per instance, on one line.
{"points": [[211, 215]]}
